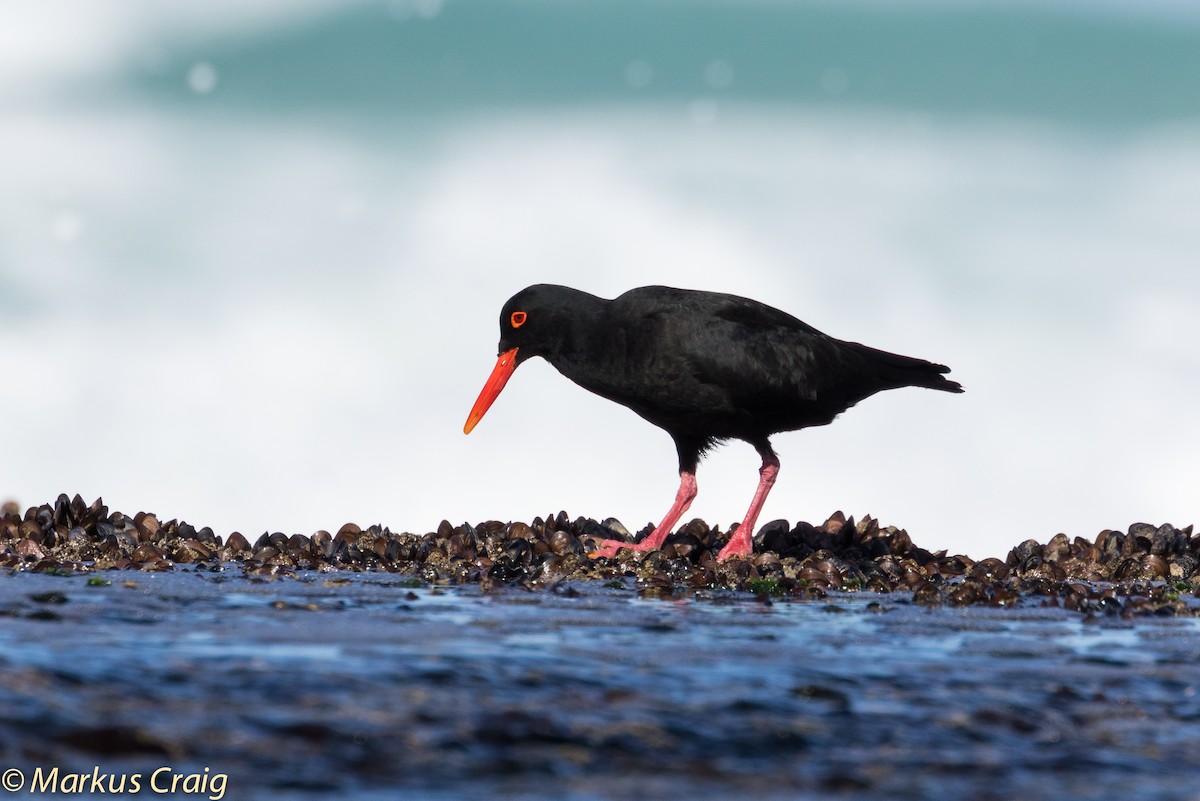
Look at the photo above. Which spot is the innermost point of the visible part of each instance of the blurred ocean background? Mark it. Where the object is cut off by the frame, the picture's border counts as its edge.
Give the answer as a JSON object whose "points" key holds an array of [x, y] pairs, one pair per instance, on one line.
{"points": [[252, 255]]}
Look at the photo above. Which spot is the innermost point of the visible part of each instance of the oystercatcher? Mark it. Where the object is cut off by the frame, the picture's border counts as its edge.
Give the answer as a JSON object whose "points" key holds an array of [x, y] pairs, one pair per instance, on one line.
{"points": [[704, 367]]}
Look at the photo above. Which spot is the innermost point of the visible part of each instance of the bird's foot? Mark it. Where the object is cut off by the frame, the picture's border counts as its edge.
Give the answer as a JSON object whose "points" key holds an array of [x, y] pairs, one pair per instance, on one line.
{"points": [[739, 544], [609, 548]]}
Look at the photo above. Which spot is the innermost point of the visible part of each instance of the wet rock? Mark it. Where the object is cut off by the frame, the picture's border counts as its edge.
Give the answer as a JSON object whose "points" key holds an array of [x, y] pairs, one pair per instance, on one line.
{"points": [[991, 569], [146, 525], [779, 537], [564, 542], [1057, 548], [237, 543], [804, 560], [614, 526], [114, 741], [29, 548], [927, 594]]}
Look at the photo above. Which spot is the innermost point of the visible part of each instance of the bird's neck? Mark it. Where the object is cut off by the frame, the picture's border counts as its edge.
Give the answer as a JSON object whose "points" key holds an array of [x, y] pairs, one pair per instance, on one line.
{"points": [[581, 334]]}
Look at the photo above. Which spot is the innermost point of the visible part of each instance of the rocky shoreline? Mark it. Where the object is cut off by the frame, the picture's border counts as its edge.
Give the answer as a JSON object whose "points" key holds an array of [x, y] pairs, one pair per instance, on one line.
{"points": [[1144, 570], [498, 660]]}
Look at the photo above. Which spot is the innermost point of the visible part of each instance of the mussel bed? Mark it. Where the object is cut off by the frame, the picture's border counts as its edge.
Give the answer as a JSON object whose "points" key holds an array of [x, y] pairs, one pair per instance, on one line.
{"points": [[1147, 569]]}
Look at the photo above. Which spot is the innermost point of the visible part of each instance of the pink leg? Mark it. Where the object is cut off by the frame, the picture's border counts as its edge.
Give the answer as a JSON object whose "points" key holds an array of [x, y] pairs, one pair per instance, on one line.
{"points": [[654, 540], [742, 541]]}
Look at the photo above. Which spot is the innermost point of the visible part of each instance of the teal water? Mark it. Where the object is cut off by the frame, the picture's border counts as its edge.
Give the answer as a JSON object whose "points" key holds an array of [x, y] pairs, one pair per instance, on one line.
{"points": [[1045, 62]]}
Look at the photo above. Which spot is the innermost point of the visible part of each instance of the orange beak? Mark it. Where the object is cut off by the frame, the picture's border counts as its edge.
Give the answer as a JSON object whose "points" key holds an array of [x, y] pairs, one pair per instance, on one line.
{"points": [[496, 381]]}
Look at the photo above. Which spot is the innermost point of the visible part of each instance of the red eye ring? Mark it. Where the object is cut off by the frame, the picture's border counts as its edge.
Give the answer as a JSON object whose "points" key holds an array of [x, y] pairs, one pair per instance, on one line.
{"points": [[518, 319]]}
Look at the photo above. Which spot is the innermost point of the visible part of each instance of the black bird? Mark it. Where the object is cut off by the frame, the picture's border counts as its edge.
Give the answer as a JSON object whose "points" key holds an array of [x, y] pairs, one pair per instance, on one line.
{"points": [[704, 367]]}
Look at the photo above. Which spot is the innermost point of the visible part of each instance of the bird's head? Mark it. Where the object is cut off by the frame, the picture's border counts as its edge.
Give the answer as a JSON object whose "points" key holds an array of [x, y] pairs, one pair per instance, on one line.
{"points": [[534, 322]]}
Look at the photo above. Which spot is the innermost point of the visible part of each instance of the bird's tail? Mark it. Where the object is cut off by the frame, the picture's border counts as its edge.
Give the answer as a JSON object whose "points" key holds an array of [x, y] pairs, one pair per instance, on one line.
{"points": [[905, 371]]}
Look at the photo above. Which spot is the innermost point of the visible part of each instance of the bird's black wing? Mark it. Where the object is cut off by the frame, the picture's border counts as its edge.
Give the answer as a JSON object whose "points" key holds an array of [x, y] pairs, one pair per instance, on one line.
{"points": [[729, 366], [772, 363]]}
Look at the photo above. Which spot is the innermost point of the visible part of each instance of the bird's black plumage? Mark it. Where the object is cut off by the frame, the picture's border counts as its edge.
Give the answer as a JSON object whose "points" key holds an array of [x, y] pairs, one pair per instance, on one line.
{"points": [[703, 366]]}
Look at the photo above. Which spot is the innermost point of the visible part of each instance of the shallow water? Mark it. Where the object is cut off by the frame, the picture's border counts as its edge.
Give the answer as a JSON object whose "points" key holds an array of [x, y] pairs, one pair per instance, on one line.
{"points": [[361, 684]]}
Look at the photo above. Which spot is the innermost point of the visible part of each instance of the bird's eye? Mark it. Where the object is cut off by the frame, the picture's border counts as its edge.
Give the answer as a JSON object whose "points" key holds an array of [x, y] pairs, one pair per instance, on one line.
{"points": [[518, 319]]}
